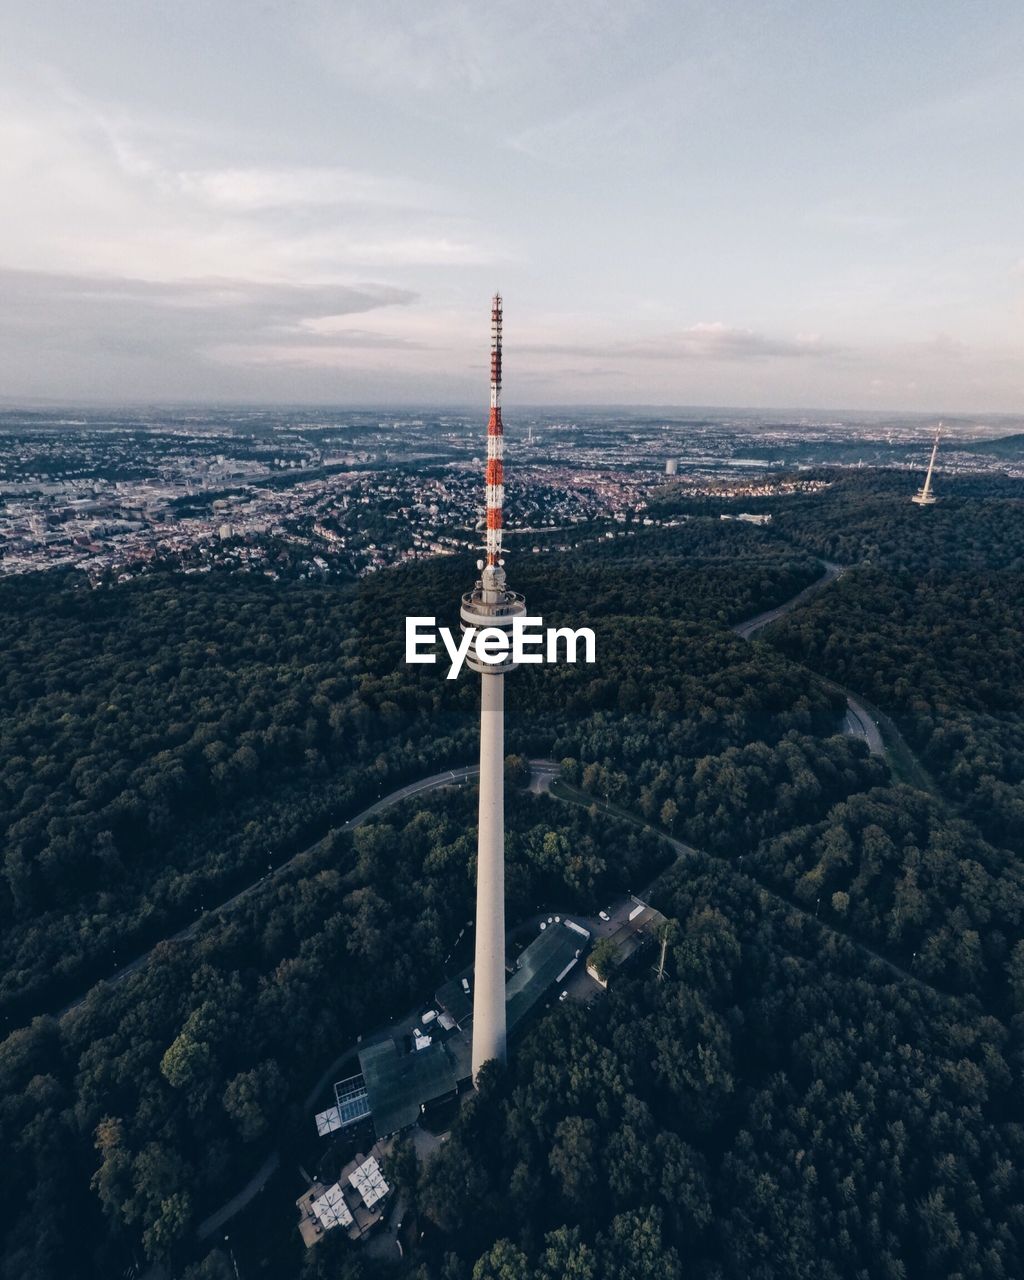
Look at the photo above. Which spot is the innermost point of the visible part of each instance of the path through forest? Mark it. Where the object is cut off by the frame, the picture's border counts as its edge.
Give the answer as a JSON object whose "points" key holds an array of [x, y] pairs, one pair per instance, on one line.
{"points": [[860, 721], [863, 720], [446, 778], [573, 795], [544, 777]]}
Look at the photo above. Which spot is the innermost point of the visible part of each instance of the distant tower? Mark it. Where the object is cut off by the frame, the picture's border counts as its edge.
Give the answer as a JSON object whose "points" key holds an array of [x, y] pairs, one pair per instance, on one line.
{"points": [[491, 604], [671, 466], [924, 496]]}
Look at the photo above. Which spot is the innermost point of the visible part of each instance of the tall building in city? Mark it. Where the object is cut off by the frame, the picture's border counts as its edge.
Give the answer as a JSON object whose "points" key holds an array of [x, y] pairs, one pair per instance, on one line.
{"points": [[924, 496], [491, 604]]}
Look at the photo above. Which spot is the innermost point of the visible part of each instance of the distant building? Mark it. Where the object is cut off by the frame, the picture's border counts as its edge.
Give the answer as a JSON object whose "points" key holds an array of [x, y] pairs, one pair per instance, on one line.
{"points": [[631, 938], [749, 518], [672, 466]]}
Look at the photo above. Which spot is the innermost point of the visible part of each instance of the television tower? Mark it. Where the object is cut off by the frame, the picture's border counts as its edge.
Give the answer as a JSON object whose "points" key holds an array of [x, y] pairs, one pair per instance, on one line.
{"points": [[924, 496], [491, 604]]}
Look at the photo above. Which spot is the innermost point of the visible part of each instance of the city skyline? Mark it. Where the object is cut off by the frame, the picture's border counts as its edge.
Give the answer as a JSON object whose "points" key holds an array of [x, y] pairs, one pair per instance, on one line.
{"points": [[682, 206]]}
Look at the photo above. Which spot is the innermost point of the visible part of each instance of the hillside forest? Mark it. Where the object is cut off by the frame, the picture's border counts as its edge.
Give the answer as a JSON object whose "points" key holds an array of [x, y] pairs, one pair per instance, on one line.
{"points": [[827, 1080]]}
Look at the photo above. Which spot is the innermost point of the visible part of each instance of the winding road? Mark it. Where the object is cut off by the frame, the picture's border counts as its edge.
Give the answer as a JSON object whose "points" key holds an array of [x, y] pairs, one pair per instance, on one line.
{"points": [[543, 773], [446, 778], [833, 572], [573, 795], [859, 721]]}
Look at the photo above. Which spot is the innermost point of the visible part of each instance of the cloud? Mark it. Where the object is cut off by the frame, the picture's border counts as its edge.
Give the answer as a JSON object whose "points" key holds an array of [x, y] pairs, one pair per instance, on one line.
{"points": [[407, 251], [151, 198], [178, 325], [537, 76], [313, 352], [533, 49], [253, 190], [704, 341]]}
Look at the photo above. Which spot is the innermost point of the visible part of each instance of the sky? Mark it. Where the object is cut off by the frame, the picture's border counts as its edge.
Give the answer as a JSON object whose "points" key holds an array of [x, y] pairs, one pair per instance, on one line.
{"points": [[745, 202]]}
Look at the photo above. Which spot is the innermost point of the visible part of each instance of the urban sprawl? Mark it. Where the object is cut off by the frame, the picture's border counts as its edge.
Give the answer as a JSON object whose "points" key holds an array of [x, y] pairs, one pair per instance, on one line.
{"points": [[321, 494]]}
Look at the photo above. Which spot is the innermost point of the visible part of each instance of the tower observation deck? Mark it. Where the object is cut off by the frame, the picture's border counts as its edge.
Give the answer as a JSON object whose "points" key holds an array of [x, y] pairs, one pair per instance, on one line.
{"points": [[491, 604]]}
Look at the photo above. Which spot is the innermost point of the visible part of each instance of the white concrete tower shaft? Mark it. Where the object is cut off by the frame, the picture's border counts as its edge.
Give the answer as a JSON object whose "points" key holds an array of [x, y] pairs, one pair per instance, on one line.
{"points": [[491, 604], [924, 496], [489, 960]]}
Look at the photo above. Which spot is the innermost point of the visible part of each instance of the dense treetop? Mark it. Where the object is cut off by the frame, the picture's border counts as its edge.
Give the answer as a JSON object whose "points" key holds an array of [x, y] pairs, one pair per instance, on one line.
{"points": [[942, 654], [828, 1081], [164, 739], [775, 1108]]}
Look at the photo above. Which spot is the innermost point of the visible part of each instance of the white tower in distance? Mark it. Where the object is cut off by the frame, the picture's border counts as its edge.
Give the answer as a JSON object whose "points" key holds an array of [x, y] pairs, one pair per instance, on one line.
{"points": [[491, 604], [924, 496]]}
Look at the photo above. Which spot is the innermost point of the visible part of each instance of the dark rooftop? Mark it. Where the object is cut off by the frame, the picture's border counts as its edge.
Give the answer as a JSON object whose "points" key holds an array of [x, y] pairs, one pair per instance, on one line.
{"points": [[539, 967], [454, 1000], [399, 1084]]}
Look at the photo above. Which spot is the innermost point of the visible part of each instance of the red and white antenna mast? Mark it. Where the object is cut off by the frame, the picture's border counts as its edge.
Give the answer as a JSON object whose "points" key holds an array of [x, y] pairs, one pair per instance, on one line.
{"points": [[495, 444]]}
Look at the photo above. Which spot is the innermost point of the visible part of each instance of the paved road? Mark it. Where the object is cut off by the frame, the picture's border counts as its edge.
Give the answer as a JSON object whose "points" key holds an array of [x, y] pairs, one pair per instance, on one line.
{"points": [[752, 625], [542, 774], [579, 984], [447, 778], [685, 851], [209, 1226], [858, 721]]}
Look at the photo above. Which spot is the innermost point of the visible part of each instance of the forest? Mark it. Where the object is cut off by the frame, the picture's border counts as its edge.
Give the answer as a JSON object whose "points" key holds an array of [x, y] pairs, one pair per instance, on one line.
{"points": [[165, 740], [142, 1110], [865, 516], [826, 1083], [942, 654], [777, 1107], [939, 650]]}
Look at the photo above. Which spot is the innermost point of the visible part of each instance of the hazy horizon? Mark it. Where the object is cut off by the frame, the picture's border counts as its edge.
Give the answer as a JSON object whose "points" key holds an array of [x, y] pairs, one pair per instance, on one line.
{"points": [[311, 204], [1008, 423]]}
